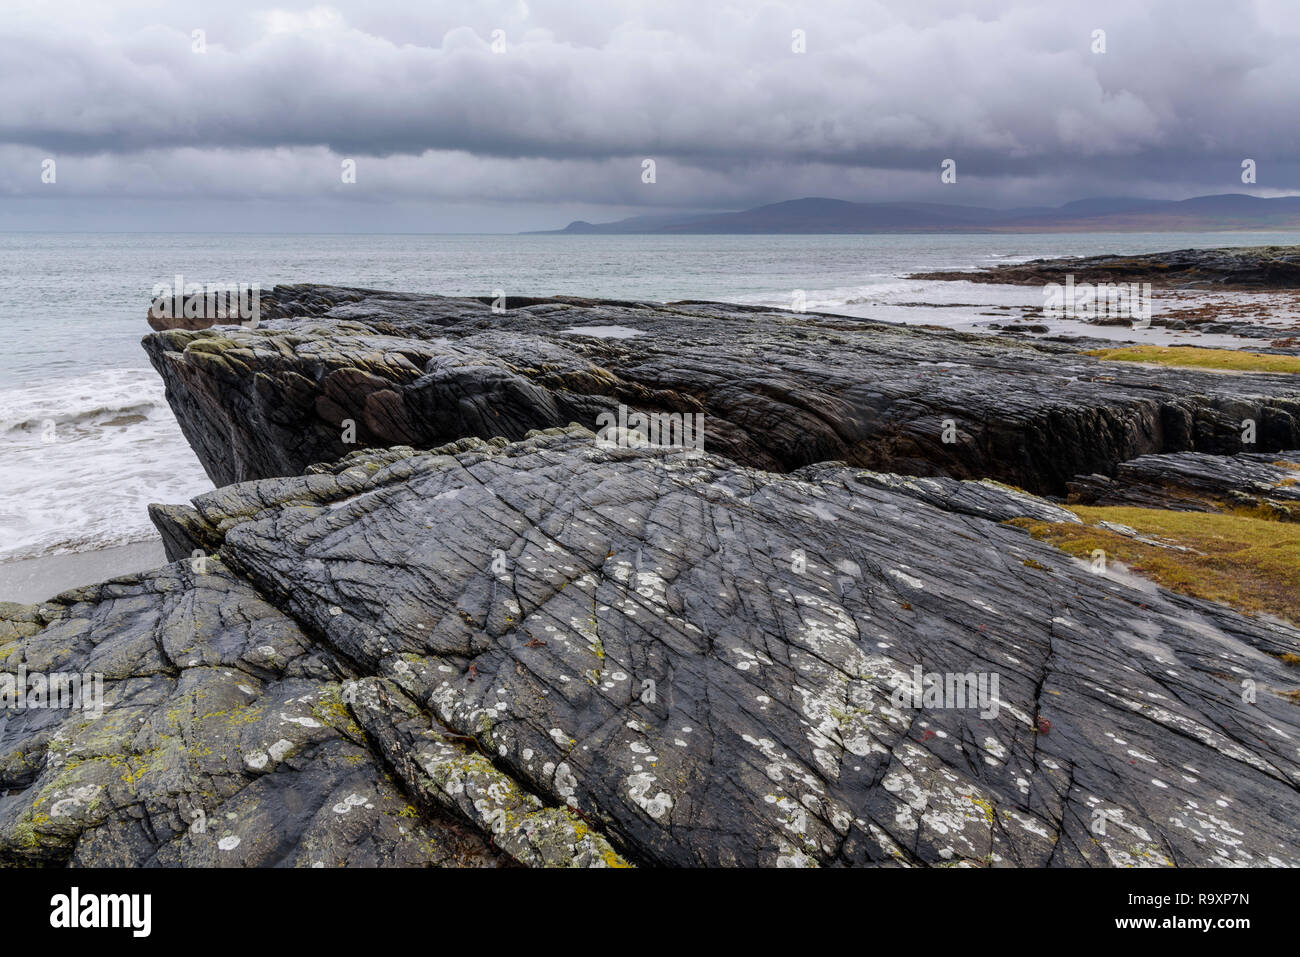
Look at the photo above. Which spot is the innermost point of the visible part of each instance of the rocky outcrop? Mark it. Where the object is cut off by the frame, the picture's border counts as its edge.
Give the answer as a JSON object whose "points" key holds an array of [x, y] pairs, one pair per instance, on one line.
{"points": [[1192, 481], [559, 648], [331, 370], [183, 533], [1233, 267], [225, 736], [222, 740], [600, 655]]}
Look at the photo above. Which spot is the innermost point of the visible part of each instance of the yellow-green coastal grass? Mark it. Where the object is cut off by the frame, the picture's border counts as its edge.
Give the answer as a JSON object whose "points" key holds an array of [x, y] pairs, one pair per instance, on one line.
{"points": [[1236, 558], [1292, 466], [1193, 357]]}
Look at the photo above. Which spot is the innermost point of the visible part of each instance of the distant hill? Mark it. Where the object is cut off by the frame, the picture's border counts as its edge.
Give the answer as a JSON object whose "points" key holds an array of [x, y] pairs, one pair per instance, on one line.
{"points": [[637, 224], [1230, 211]]}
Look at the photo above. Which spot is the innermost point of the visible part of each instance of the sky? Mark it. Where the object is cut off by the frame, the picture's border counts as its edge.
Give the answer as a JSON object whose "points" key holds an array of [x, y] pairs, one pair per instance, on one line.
{"points": [[507, 115]]}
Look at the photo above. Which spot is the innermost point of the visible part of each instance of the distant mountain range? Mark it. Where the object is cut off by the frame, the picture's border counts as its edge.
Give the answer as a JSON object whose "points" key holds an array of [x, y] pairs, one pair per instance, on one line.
{"points": [[1230, 211]]}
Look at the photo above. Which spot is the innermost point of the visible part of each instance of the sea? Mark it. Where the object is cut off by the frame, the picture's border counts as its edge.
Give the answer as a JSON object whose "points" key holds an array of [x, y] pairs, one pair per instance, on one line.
{"points": [[87, 439]]}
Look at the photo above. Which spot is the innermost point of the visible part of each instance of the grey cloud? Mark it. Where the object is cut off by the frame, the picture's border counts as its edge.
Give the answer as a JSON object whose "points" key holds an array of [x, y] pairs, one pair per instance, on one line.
{"points": [[714, 93]]}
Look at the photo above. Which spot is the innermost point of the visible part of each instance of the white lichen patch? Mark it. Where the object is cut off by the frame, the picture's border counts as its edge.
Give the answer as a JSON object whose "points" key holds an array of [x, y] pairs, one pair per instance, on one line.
{"points": [[77, 798], [639, 788], [350, 802]]}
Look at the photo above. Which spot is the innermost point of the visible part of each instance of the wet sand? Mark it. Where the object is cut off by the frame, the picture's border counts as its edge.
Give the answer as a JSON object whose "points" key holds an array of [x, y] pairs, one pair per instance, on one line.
{"points": [[36, 579]]}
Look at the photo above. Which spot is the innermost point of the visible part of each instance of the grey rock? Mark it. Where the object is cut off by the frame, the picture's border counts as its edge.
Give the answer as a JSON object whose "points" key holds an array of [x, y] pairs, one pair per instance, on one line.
{"points": [[702, 659], [1233, 267], [985, 498], [183, 531], [1193, 481], [777, 390], [547, 648], [222, 741]]}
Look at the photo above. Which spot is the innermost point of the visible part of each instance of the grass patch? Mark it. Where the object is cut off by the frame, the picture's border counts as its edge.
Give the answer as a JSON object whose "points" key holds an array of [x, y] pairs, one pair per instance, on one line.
{"points": [[1192, 357], [1238, 559]]}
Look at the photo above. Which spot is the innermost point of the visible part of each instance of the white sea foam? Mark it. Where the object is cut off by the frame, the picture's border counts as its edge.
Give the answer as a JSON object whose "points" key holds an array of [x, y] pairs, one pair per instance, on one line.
{"points": [[80, 459]]}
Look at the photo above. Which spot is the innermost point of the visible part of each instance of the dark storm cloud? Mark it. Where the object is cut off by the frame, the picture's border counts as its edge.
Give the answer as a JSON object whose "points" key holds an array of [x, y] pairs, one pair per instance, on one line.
{"points": [[714, 92]]}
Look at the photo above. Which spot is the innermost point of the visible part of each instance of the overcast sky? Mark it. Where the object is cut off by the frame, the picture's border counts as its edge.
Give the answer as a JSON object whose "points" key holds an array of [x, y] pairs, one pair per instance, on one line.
{"points": [[448, 134]]}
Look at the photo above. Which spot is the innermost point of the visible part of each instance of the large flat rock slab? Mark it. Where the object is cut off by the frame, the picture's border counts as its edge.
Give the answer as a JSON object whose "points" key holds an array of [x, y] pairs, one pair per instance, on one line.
{"points": [[705, 660], [331, 370]]}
